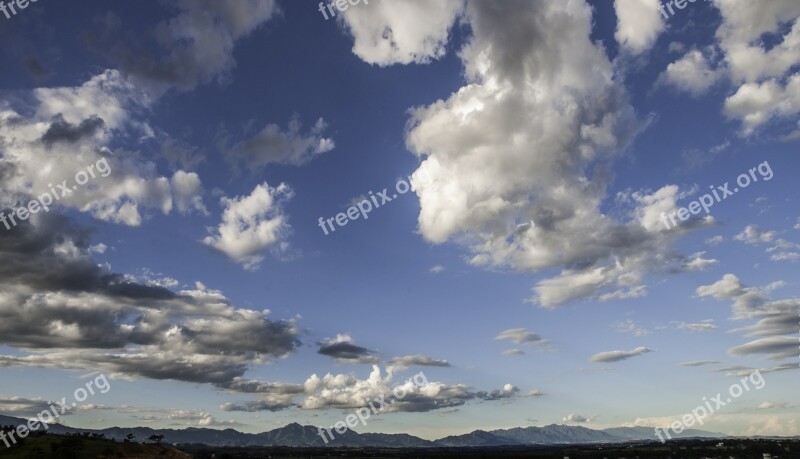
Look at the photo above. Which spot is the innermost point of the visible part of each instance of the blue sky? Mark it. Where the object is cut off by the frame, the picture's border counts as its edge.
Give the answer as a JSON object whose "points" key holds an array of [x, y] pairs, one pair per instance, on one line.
{"points": [[544, 141]]}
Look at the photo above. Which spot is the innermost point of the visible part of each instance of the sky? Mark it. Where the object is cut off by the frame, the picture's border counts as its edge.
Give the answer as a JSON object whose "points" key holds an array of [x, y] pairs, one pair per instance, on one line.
{"points": [[562, 212]]}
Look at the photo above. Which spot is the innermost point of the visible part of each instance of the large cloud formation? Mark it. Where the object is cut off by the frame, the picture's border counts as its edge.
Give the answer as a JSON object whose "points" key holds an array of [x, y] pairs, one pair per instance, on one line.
{"points": [[346, 391], [58, 131], [516, 164], [58, 305], [67, 311], [68, 130]]}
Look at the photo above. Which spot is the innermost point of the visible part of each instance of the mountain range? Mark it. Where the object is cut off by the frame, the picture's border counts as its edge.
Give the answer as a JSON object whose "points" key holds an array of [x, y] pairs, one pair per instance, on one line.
{"points": [[296, 435]]}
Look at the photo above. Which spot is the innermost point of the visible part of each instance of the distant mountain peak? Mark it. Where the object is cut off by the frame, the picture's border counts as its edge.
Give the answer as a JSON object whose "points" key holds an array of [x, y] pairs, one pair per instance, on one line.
{"points": [[298, 435]]}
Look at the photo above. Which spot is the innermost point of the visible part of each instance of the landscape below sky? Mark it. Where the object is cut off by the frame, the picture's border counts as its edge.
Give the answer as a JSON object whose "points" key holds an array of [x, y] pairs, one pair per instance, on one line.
{"points": [[422, 217]]}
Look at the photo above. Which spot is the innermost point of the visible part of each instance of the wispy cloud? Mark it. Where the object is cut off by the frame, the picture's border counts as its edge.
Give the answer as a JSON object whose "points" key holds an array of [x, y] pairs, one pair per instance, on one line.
{"points": [[616, 356]]}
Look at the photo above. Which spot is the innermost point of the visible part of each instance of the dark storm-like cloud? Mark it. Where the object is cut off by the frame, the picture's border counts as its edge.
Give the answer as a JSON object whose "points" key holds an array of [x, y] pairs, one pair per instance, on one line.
{"points": [[343, 349], [34, 256], [499, 394], [416, 403], [193, 47], [62, 131], [273, 145], [56, 298], [263, 387], [257, 405]]}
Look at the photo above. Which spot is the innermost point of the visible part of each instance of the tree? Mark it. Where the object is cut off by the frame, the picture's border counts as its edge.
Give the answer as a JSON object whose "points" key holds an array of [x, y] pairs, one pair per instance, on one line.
{"points": [[129, 437], [156, 439]]}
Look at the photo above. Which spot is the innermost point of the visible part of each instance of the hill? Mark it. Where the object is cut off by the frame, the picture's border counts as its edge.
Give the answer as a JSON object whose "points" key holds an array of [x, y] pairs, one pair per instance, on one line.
{"points": [[296, 435]]}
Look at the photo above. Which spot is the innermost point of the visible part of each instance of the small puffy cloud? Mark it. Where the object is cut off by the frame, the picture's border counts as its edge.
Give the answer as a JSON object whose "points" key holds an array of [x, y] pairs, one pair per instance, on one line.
{"points": [[616, 356], [178, 152], [151, 278], [617, 283], [696, 158], [392, 32], [22, 406], [418, 361], [521, 336], [271, 145], [785, 256], [698, 363], [676, 47], [716, 240], [437, 269], [512, 352], [727, 287], [639, 24], [696, 262], [691, 73], [187, 192], [344, 350], [508, 391], [267, 403], [770, 405], [629, 326], [753, 235], [570, 286], [577, 418], [76, 112], [754, 104], [636, 291], [706, 325], [251, 224], [98, 248], [197, 418], [784, 250]]}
